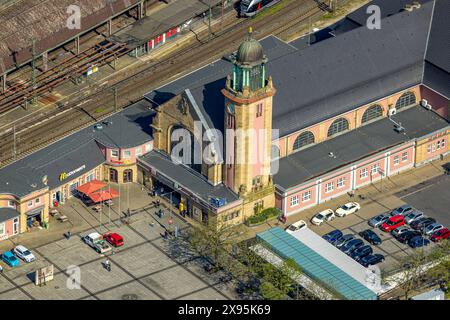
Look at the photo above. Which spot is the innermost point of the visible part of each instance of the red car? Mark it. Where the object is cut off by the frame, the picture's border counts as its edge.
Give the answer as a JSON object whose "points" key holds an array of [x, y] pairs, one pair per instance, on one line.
{"points": [[440, 234], [393, 223], [114, 238]]}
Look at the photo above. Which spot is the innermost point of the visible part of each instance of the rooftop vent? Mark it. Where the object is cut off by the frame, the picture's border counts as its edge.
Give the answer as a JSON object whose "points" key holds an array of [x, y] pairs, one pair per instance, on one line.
{"points": [[412, 6], [399, 128]]}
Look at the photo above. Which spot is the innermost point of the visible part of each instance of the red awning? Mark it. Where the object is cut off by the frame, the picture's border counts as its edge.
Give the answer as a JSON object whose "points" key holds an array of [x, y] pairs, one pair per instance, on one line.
{"points": [[90, 187], [103, 195]]}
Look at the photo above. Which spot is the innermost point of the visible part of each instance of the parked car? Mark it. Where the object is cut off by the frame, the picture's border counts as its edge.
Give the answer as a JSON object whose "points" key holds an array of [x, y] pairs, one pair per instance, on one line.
{"points": [[379, 220], [406, 236], [348, 208], [393, 223], [371, 259], [343, 240], [398, 231], [114, 238], [418, 241], [24, 254], [403, 210], [352, 245], [361, 252], [370, 237], [10, 259], [332, 236], [413, 216], [432, 228], [96, 241], [417, 225], [439, 235], [323, 216], [296, 226]]}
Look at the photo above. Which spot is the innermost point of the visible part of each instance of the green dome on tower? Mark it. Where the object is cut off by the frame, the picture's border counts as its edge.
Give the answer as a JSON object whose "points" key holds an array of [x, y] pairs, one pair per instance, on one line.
{"points": [[250, 51]]}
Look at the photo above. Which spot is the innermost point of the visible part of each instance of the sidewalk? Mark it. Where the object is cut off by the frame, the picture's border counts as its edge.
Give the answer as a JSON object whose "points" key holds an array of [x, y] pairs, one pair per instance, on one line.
{"points": [[383, 193]]}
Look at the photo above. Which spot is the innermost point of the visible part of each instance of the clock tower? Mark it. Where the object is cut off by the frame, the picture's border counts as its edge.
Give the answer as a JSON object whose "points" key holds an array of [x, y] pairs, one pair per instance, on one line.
{"points": [[248, 127]]}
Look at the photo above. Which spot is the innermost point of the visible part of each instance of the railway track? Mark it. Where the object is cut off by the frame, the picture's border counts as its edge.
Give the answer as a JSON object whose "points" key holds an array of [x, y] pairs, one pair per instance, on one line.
{"points": [[72, 67], [150, 77]]}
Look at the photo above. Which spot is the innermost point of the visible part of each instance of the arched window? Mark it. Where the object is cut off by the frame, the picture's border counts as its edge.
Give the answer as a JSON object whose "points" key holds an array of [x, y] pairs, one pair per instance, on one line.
{"points": [[275, 152], [405, 100], [127, 176], [113, 176], [372, 113], [303, 139], [339, 125]]}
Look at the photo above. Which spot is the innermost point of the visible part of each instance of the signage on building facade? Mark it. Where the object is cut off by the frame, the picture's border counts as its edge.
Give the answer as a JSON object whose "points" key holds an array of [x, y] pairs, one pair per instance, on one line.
{"points": [[63, 176]]}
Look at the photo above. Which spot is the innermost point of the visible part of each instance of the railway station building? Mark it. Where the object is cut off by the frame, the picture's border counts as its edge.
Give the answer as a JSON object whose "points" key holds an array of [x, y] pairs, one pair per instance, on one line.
{"points": [[350, 110]]}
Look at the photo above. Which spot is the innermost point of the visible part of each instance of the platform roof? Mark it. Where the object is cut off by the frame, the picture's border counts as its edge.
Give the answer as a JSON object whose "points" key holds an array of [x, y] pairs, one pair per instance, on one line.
{"points": [[169, 17], [315, 266], [355, 145]]}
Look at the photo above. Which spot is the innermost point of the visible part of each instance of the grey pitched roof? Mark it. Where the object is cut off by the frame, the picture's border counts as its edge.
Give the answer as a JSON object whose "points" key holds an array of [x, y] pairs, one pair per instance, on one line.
{"points": [[387, 9], [186, 178], [329, 78], [129, 128], [342, 73], [357, 144], [8, 214]]}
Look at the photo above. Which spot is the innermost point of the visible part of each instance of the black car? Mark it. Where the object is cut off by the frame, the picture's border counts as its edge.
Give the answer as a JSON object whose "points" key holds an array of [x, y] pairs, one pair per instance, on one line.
{"points": [[371, 259], [361, 252], [352, 245], [370, 237], [406, 236], [343, 240], [417, 225]]}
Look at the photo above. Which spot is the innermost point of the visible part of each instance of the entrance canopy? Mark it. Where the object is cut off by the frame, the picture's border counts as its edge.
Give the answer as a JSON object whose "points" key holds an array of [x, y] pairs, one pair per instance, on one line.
{"points": [[90, 187], [103, 195]]}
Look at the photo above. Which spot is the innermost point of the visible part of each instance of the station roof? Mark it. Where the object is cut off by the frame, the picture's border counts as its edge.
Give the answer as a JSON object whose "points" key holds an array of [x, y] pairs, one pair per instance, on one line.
{"points": [[187, 179], [355, 145], [129, 128], [331, 77], [171, 16], [316, 266], [8, 214], [80, 150], [46, 21]]}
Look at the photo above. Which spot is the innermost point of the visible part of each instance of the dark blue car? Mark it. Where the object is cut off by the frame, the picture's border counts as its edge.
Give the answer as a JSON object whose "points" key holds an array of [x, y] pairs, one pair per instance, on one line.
{"points": [[332, 236], [361, 252], [418, 241], [370, 236], [371, 259], [352, 245]]}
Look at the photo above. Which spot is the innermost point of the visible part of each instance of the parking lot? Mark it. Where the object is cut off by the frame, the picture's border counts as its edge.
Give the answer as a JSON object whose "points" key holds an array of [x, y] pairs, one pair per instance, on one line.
{"points": [[146, 267], [432, 197]]}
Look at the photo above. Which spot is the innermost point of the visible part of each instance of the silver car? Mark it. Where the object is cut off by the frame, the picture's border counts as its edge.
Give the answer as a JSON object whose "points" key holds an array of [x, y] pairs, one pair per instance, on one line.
{"points": [[379, 220], [398, 231], [413, 215], [432, 228]]}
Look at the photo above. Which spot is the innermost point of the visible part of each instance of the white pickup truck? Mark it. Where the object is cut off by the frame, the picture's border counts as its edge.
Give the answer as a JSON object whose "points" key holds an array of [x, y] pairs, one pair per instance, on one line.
{"points": [[95, 240]]}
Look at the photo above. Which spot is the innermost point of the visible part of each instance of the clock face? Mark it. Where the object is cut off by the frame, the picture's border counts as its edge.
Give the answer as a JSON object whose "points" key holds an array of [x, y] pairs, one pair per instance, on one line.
{"points": [[230, 108]]}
